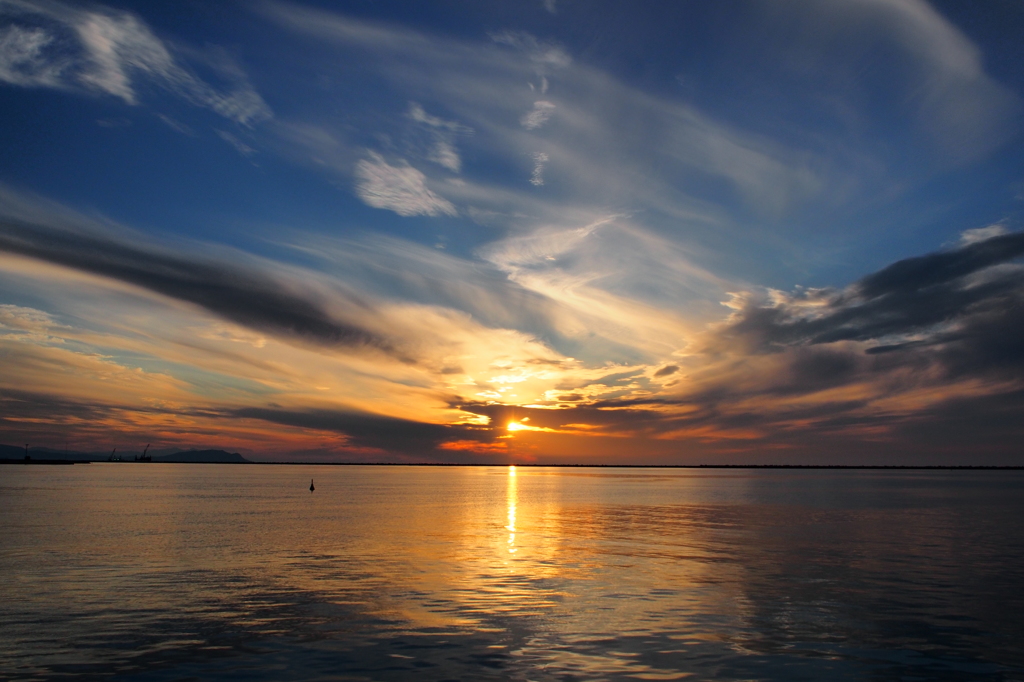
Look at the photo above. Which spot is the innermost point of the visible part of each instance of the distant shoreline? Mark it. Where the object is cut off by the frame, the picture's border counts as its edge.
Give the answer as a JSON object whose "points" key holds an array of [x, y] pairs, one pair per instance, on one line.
{"points": [[883, 467]]}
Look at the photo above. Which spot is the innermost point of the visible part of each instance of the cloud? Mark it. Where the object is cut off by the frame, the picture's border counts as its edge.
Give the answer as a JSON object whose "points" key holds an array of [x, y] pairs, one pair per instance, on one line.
{"points": [[444, 154], [879, 366], [475, 446], [746, 193], [965, 108], [980, 234], [923, 274], [335, 27], [400, 188], [22, 58], [443, 150], [382, 433], [544, 55], [667, 370], [417, 113], [538, 116], [874, 360], [913, 302], [18, 322], [397, 269], [608, 153], [246, 297], [176, 125], [633, 295], [588, 292], [50, 44], [21, 408], [890, 349], [539, 161], [292, 330], [940, 70], [241, 147]]}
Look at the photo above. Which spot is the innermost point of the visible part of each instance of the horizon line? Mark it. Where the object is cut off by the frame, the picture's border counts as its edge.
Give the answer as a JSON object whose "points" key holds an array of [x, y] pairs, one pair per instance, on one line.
{"points": [[974, 467]]}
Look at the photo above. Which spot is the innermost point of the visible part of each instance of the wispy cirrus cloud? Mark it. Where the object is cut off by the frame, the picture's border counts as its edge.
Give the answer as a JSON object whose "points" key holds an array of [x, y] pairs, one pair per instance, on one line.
{"points": [[603, 155], [537, 116], [949, 95], [443, 150], [241, 147], [22, 58], [540, 159], [544, 55], [100, 49], [688, 172], [966, 110], [399, 188], [613, 281]]}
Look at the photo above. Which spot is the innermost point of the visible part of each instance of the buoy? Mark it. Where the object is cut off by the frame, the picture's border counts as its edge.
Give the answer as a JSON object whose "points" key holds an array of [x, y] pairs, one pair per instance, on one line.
{"points": [[311, 488]]}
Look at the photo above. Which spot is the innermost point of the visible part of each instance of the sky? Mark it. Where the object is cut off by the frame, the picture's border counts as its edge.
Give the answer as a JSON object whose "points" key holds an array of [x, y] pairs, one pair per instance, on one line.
{"points": [[541, 232]]}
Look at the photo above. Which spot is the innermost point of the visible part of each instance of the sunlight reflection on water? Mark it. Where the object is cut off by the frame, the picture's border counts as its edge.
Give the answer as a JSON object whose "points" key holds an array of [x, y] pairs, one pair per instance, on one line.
{"points": [[513, 495], [160, 571]]}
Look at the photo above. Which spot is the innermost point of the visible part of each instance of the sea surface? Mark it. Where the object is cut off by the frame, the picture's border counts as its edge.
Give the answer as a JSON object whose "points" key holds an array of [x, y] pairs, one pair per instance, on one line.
{"points": [[239, 572]]}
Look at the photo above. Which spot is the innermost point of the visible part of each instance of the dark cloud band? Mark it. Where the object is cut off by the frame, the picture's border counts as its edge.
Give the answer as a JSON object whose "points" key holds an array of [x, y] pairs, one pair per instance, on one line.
{"points": [[916, 296], [245, 297]]}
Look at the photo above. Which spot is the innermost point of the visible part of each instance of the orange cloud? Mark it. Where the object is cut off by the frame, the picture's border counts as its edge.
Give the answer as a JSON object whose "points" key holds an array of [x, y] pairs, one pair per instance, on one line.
{"points": [[474, 446]]}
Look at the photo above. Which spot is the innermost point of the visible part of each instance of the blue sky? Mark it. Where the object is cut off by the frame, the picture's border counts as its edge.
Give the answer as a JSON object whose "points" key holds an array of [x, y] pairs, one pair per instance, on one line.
{"points": [[290, 228]]}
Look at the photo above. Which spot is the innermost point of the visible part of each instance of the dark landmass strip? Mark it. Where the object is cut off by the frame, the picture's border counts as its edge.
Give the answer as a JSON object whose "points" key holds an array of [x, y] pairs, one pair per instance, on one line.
{"points": [[204, 457], [31, 460], [13, 454]]}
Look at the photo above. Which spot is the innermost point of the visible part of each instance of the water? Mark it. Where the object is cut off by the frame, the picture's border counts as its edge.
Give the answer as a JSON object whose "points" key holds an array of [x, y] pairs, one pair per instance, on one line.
{"points": [[175, 571]]}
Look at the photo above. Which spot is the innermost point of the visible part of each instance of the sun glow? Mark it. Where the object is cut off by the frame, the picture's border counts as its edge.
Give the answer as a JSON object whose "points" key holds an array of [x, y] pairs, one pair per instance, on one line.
{"points": [[520, 425]]}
